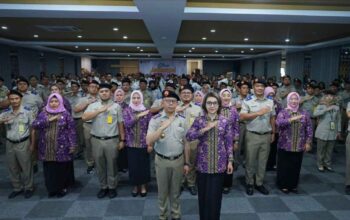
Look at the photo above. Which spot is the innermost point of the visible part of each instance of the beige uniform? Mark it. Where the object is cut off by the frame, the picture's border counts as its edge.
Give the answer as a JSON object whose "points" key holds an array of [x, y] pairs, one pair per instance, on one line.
{"points": [[258, 137], [18, 154], [169, 163], [74, 100], [104, 141]]}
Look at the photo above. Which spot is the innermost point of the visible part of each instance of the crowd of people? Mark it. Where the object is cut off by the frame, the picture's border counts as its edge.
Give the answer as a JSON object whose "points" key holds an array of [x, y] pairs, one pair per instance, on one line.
{"points": [[193, 130]]}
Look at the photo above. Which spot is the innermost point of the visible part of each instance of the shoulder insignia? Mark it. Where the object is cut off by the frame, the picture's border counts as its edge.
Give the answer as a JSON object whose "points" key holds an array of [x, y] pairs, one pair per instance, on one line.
{"points": [[249, 97], [156, 116], [27, 108], [34, 92], [7, 109], [181, 116]]}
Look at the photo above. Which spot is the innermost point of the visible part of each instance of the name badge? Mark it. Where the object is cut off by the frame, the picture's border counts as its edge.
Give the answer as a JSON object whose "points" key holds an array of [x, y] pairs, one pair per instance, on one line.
{"points": [[21, 128], [109, 119], [332, 126]]}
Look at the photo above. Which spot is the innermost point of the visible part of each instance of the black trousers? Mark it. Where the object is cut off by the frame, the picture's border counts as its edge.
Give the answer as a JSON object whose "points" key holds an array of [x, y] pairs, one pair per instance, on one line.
{"points": [[228, 180], [210, 195], [288, 169], [58, 175], [271, 162]]}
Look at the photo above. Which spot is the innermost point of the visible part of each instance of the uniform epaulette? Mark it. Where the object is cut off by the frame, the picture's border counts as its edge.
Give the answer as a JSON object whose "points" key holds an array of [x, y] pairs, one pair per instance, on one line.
{"points": [[27, 108], [249, 97], [34, 93], [182, 116], [8, 109], [156, 116], [270, 97]]}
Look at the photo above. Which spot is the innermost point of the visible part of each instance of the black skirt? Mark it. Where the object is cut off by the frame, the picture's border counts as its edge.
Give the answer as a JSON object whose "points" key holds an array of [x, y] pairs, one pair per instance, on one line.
{"points": [[139, 166], [288, 169], [58, 175]]}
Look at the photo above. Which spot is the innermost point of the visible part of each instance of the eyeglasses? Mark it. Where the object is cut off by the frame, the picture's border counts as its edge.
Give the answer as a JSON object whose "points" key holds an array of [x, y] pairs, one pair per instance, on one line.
{"points": [[170, 101], [212, 103]]}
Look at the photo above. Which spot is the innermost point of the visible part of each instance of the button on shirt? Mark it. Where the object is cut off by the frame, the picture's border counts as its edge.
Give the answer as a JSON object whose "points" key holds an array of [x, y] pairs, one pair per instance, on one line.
{"points": [[105, 123], [260, 124], [172, 144], [18, 127]]}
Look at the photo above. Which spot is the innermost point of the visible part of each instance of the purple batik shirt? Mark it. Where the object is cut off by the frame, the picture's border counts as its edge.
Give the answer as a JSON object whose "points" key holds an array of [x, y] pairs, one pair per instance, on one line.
{"points": [[293, 136], [215, 147], [66, 136], [135, 130], [232, 114]]}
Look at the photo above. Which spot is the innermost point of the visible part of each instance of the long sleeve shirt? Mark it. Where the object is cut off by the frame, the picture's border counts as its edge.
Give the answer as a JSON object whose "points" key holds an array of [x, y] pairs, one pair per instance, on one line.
{"points": [[329, 124], [215, 147], [135, 129], [294, 135], [232, 115]]}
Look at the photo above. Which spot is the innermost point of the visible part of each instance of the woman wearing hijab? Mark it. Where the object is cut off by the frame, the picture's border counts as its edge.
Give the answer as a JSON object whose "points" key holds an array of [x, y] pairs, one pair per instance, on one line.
{"points": [[119, 97], [328, 129], [56, 89], [198, 98], [270, 93], [57, 142], [229, 111], [136, 119], [295, 132]]}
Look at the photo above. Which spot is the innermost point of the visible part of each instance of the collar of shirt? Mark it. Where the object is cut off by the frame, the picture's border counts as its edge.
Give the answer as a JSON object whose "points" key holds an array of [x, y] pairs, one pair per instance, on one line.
{"points": [[164, 115], [20, 111]]}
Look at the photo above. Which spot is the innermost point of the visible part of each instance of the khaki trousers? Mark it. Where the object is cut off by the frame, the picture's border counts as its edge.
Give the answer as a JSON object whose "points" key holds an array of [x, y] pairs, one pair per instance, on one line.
{"points": [[257, 154], [105, 154], [347, 172], [169, 175], [324, 152], [191, 176], [89, 159], [19, 161]]}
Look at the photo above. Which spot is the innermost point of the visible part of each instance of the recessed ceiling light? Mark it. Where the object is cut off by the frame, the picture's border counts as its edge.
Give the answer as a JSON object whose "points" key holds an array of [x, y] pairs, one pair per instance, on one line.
{"points": [[76, 47], [193, 48], [113, 50], [87, 49], [141, 50], [223, 56], [346, 52], [4, 27], [212, 31], [246, 39], [128, 55], [185, 56], [149, 55], [125, 37], [79, 36], [216, 51], [36, 36], [242, 51], [204, 38], [251, 49], [287, 40], [203, 56], [190, 51], [115, 29], [138, 47]]}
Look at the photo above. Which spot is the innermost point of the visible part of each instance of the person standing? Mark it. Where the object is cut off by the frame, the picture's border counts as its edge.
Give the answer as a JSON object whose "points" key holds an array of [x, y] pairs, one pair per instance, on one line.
{"points": [[295, 132], [230, 112], [19, 144], [260, 116], [108, 137], [328, 130], [57, 143], [166, 131], [190, 111], [347, 171], [214, 155], [136, 118]]}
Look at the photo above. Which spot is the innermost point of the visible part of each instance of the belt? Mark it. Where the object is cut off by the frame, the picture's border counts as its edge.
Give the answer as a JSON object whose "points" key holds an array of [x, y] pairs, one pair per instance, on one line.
{"points": [[104, 138], [258, 133], [19, 141], [88, 122], [79, 119], [169, 158]]}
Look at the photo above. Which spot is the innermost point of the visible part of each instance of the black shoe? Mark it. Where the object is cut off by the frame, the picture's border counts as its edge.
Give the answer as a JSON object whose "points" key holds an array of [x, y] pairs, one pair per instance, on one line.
{"points": [[226, 190], [134, 194], [192, 190], [14, 194], [330, 169], [294, 191], [249, 190], [262, 189], [347, 189], [285, 191], [90, 170], [61, 193], [28, 193], [143, 194], [112, 193], [102, 193]]}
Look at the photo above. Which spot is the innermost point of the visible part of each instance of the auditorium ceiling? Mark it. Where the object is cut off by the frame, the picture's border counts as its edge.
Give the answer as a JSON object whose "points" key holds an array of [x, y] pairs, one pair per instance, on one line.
{"points": [[206, 29]]}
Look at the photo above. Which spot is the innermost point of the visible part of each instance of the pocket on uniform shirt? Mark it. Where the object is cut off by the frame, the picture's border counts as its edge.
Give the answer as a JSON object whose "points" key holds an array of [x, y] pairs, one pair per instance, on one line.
{"points": [[180, 132]]}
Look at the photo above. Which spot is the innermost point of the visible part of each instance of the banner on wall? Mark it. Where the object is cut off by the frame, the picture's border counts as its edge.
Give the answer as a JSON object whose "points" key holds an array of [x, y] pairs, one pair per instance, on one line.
{"points": [[163, 67]]}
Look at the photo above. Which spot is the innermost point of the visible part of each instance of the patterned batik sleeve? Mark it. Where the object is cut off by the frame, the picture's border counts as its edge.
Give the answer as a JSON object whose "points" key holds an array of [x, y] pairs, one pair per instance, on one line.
{"points": [[229, 141], [129, 119], [194, 132], [308, 127]]}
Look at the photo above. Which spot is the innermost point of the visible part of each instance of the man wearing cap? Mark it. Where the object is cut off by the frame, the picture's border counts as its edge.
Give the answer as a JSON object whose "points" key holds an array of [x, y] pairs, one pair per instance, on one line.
{"points": [[259, 114], [19, 145], [108, 137], [166, 131], [190, 111], [30, 99], [74, 98], [157, 104], [79, 109], [243, 89]]}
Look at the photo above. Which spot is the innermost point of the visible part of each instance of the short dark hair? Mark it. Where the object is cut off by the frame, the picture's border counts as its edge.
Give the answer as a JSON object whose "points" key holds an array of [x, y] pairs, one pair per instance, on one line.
{"points": [[204, 104], [126, 80]]}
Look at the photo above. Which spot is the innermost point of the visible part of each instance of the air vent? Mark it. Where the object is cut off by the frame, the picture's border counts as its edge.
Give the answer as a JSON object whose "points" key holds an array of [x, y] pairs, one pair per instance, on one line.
{"points": [[59, 28]]}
